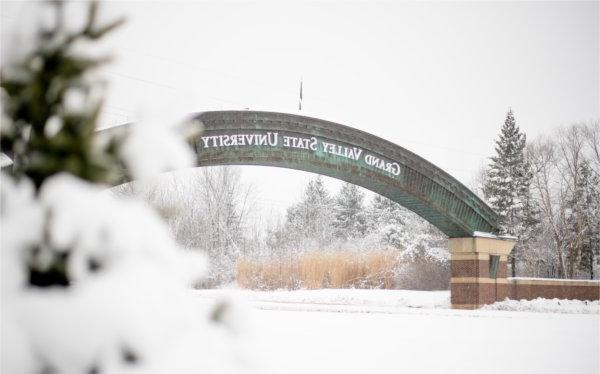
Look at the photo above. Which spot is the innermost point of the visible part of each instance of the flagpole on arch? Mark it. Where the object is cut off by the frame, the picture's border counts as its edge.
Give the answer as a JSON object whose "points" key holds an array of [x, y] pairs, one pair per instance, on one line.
{"points": [[300, 101]]}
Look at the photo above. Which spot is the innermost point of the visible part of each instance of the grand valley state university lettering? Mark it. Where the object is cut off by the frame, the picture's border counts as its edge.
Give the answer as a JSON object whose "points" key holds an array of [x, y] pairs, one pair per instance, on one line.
{"points": [[313, 144]]}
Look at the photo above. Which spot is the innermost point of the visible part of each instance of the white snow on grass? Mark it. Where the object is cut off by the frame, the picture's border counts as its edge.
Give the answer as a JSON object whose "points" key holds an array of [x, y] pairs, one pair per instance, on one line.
{"points": [[466, 342], [337, 300], [395, 331]]}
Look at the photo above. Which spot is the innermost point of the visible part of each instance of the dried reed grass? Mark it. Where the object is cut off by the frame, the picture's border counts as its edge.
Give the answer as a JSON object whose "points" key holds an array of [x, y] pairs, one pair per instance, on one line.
{"points": [[341, 269]]}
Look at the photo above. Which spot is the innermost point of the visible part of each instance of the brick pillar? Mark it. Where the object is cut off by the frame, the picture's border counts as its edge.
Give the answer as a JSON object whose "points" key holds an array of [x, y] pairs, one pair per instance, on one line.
{"points": [[471, 284]]}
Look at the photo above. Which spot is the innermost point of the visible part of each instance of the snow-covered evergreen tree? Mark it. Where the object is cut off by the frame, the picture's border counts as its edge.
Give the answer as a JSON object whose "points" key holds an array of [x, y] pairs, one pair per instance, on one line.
{"points": [[399, 228], [349, 212], [310, 219], [90, 283], [507, 186], [53, 101], [388, 220]]}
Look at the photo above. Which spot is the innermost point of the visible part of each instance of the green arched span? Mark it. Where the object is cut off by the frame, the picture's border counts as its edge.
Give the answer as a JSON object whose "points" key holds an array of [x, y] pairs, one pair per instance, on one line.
{"points": [[338, 151]]}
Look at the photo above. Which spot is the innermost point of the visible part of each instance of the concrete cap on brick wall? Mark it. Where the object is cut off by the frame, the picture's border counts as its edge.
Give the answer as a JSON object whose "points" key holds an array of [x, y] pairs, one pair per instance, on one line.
{"points": [[488, 243]]}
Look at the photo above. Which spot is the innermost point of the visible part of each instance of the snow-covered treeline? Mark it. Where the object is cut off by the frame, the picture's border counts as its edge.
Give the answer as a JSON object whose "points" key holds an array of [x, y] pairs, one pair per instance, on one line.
{"points": [[345, 221], [547, 192], [212, 209]]}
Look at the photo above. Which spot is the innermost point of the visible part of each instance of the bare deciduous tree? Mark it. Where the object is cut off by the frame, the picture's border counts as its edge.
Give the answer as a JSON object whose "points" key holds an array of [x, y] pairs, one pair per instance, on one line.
{"points": [[566, 193], [207, 209]]}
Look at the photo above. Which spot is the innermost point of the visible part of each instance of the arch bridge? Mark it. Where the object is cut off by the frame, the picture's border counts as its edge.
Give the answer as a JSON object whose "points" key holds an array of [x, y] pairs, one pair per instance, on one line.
{"points": [[338, 151]]}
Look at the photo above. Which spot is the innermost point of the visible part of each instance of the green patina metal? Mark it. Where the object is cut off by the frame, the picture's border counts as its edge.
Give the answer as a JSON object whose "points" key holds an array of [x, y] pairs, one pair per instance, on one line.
{"points": [[338, 151]]}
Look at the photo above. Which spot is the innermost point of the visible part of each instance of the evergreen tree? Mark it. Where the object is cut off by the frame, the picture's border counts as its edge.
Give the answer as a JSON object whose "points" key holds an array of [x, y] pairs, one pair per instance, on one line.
{"points": [[42, 131], [507, 187], [402, 229], [388, 219], [67, 243], [51, 106], [311, 218], [349, 212]]}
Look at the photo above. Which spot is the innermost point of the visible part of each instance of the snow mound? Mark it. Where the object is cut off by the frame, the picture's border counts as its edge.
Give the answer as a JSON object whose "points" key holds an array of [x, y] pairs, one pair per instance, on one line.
{"points": [[547, 306]]}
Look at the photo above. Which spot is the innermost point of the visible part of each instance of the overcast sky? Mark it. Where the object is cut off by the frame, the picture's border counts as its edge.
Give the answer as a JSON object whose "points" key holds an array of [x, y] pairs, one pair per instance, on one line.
{"points": [[436, 78]]}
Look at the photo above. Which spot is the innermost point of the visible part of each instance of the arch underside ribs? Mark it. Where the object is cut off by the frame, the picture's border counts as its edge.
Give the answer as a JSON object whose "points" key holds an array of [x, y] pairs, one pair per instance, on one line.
{"points": [[416, 184]]}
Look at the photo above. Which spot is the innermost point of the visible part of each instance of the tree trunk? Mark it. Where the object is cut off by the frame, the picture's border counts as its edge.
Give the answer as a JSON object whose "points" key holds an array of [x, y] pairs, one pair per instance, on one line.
{"points": [[513, 266], [592, 264]]}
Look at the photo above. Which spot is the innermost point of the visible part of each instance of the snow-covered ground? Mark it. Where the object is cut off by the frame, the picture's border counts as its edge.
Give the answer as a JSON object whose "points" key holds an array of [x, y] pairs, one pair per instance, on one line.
{"points": [[385, 301], [346, 300], [380, 331]]}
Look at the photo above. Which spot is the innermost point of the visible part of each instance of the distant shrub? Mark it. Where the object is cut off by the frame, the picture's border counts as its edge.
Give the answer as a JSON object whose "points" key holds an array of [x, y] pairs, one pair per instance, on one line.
{"points": [[423, 274]]}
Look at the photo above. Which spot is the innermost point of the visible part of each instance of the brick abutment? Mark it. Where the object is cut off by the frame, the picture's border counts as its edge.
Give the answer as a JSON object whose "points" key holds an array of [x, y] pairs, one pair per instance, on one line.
{"points": [[478, 268]]}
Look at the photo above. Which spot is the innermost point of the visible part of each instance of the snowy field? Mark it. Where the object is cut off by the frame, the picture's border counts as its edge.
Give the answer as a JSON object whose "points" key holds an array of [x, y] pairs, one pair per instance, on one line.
{"points": [[379, 331]]}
